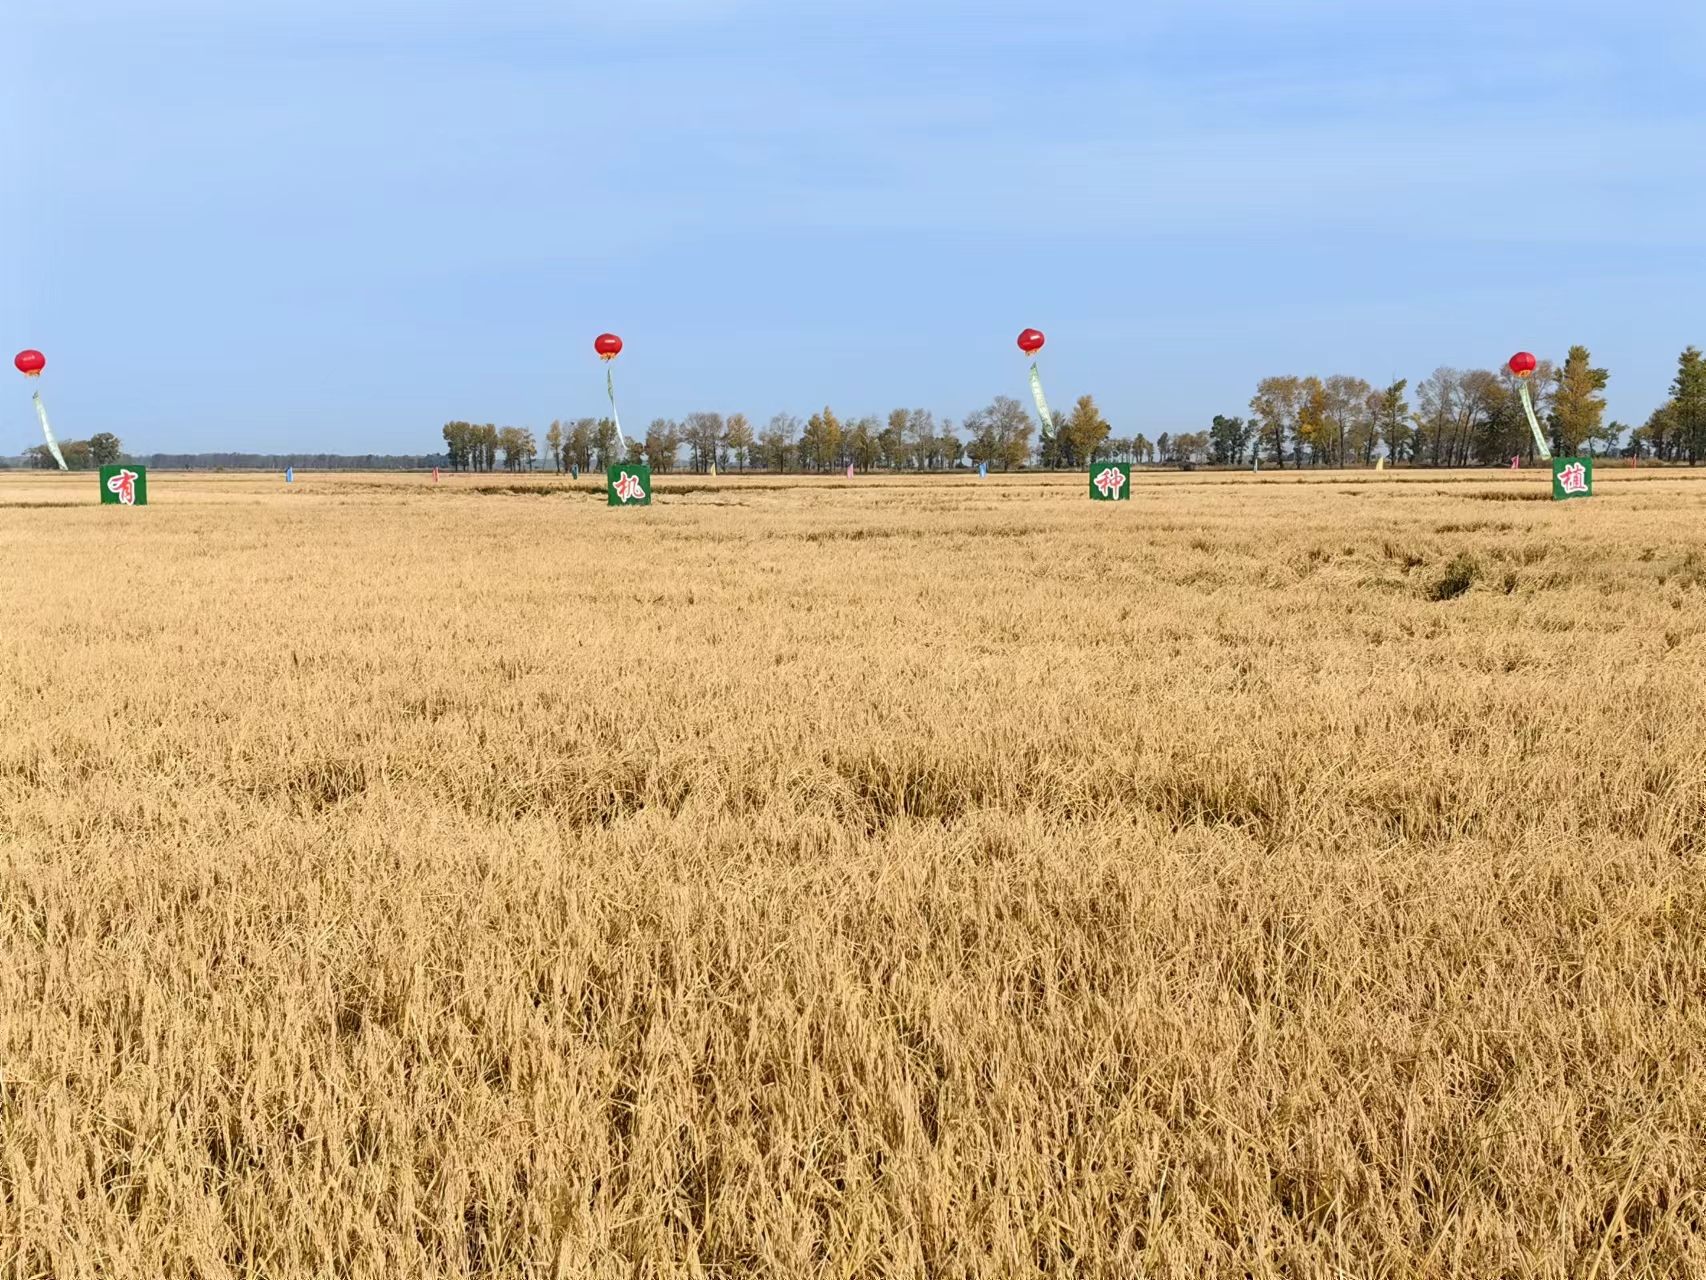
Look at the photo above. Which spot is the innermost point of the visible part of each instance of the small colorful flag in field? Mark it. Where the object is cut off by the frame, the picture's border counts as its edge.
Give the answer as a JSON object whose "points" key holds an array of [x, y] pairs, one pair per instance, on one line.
{"points": [[289, 475]]}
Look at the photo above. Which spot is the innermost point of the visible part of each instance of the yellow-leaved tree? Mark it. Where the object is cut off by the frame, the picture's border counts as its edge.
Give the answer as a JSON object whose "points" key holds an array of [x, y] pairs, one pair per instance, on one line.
{"points": [[1578, 410]]}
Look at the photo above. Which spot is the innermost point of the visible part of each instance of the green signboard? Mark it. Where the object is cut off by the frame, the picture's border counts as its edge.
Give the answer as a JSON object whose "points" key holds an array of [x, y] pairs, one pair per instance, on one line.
{"points": [[628, 486], [125, 486], [1111, 482], [1572, 478]]}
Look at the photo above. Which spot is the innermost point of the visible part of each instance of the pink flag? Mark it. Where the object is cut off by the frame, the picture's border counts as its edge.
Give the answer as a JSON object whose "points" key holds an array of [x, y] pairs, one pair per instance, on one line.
{"points": [[435, 475], [1516, 462], [849, 470]]}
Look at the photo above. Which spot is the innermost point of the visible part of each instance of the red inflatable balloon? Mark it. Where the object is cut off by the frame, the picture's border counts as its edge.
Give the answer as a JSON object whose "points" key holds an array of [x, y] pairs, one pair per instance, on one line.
{"points": [[1031, 341], [1523, 364], [30, 363], [608, 346]]}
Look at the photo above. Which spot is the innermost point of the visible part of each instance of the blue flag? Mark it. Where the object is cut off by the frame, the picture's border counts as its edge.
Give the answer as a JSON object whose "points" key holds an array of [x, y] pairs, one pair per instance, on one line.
{"points": [[289, 474], [983, 471]]}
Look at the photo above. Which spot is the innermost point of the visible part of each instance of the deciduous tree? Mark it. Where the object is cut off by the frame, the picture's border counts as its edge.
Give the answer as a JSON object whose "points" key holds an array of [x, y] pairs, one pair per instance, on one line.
{"points": [[1687, 418], [460, 444], [663, 443], [862, 443], [1191, 447], [1347, 416], [820, 442], [1275, 407], [1228, 438], [105, 449], [1502, 431], [1084, 432], [604, 440], [948, 447], [1313, 431], [891, 443], [776, 448], [1436, 409], [581, 442], [1390, 416], [1578, 410], [519, 448], [703, 432], [1000, 434], [1660, 436], [737, 438], [921, 441]]}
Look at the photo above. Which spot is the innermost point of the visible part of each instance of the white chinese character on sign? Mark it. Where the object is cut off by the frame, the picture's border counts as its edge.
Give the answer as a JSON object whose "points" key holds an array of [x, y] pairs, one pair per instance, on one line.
{"points": [[1573, 478], [1110, 482], [628, 488]]}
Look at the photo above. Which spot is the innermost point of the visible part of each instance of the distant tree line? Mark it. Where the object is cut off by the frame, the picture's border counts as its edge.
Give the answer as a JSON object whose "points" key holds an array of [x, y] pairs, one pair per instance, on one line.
{"points": [[1460, 417], [472, 447], [105, 449], [1452, 418], [1002, 434], [301, 461], [100, 450], [1676, 432]]}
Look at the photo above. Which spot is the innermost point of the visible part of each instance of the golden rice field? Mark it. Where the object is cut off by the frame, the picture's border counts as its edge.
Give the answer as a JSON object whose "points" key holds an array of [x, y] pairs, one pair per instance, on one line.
{"points": [[853, 879]]}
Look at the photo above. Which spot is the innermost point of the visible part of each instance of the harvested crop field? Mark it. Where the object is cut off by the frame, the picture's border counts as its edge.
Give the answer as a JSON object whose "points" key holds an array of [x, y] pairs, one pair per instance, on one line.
{"points": [[1272, 875]]}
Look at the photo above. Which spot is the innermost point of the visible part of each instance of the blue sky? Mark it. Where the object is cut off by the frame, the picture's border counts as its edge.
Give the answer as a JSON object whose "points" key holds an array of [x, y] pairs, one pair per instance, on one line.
{"points": [[333, 226]]}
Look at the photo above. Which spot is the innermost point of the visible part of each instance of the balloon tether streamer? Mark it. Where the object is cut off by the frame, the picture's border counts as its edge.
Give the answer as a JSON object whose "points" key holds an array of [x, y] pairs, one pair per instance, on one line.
{"points": [[46, 430], [610, 386], [1523, 365], [1042, 404], [1534, 423], [1031, 341], [609, 346]]}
